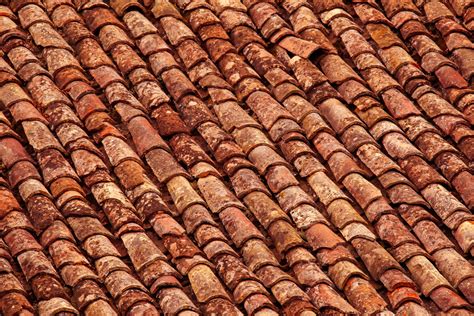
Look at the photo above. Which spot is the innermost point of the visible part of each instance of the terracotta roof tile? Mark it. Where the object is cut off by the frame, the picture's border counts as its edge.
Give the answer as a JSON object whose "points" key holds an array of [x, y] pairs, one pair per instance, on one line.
{"points": [[328, 145]]}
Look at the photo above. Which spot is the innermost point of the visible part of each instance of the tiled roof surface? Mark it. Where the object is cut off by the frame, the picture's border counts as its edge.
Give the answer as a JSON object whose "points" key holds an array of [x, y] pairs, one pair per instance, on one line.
{"points": [[229, 157]]}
